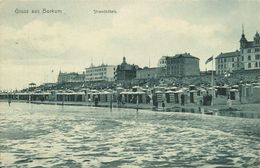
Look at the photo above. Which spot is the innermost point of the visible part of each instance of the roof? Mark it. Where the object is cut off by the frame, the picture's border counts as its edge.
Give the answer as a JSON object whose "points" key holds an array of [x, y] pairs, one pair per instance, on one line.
{"points": [[68, 73], [249, 44], [150, 69], [100, 66], [228, 54], [184, 55], [125, 67]]}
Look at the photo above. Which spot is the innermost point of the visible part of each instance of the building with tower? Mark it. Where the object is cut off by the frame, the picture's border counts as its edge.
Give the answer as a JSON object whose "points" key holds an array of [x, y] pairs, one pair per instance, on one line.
{"points": [[248, 58], [125, 71], [250, 52]]}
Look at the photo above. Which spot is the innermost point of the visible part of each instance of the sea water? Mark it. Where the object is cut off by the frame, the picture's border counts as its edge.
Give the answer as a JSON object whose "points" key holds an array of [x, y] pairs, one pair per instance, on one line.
{"points": [[77, 136]]}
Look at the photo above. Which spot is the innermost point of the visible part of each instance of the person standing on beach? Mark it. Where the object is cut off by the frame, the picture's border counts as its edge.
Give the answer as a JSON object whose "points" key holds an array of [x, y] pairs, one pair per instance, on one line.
{"points": [[182, 99], [210, 99], [229, 103], [9, 101], [163, 105]]}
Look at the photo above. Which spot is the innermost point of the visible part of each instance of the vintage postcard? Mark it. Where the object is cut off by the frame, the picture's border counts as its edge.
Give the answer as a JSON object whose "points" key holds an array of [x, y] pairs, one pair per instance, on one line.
{"points": [[129, 83]]}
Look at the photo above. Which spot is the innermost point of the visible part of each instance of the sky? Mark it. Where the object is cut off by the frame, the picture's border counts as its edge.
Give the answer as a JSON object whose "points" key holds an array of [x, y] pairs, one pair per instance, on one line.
{"points": [[34, 47]]}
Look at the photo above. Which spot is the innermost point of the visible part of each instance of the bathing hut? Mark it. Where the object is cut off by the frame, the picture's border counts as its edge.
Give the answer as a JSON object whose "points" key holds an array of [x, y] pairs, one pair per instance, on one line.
{"points": [[177, 96], [169, 96], [256, 94], [193, 96], [131, 97], [223, 90], [159, 96], [104, 96], [234, 94], [192, 87], [70, 96], [250, 93], [42, 96]]}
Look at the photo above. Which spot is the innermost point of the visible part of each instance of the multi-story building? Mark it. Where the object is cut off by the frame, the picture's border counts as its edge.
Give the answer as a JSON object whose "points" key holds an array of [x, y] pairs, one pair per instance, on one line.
{"points": [[182, 65], [149, 73], [250, 52], [64, 77], [162, 62], [100, 73], [227, 62], [125, 71]]}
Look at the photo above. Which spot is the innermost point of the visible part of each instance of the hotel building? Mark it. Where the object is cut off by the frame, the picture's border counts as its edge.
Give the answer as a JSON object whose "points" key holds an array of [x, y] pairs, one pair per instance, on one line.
{"points": [[182, 65], [250, 52], [100, 73], [227, 62], [71, 77], [248, 58]]}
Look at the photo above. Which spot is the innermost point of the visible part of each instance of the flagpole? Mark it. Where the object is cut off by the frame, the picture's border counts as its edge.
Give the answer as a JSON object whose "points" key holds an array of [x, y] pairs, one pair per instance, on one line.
{"points": [[212, 82]]}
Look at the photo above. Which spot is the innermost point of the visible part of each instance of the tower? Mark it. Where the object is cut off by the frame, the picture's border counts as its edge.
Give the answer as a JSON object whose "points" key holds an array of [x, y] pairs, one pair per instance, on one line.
{"points": [[124, 60], [257, 38], [243, 40]]}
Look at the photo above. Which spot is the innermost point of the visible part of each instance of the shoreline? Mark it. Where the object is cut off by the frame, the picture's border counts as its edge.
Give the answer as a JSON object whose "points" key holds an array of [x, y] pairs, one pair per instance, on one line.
{"points": [[168, 108]]}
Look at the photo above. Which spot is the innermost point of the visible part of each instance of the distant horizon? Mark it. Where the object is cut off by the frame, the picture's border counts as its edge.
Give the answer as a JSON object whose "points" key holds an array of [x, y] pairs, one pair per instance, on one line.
{"points": [[38, 39]]}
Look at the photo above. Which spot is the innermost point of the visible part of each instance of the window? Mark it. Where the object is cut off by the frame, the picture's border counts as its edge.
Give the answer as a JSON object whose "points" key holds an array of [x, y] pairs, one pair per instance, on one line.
{"points": [[249, 58], [249, 51], [233, 59], [225, 60], [257, 49], [242, 58], [249, 65], [233, 65], [256, 65], [257, 57]]}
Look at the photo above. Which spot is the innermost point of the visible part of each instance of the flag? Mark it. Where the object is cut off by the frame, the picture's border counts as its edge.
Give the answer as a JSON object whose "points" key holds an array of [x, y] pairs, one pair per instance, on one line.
{"points": [[209, 60]]}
